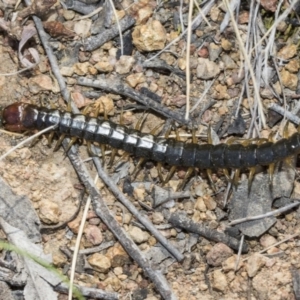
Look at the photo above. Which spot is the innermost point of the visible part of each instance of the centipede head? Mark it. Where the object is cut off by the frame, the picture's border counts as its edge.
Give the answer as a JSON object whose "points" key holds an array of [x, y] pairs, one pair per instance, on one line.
{"points": [[17, 117]]}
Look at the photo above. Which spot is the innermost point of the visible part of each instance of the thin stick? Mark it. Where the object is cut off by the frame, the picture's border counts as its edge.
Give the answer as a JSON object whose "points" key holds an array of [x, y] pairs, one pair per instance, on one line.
{"points": [[187, 68], [269, 214], [282, 17], [26, 141], [103, 212], [118, 24], [77, 244], [143, 219], [293, 118], [247, 60], [199, 17]]}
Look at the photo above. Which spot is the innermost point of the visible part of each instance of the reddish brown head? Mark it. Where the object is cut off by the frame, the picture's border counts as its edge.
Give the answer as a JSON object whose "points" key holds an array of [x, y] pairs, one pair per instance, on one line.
{"points": [[18, 117]]}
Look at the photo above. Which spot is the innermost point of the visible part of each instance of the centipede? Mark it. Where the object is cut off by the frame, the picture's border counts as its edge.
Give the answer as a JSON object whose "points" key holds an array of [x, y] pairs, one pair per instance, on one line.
{"points": [[20, 117]]}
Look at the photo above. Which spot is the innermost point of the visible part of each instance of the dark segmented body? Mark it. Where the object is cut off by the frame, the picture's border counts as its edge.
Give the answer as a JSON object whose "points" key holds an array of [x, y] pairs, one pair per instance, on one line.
{"points": [[22, 117]]}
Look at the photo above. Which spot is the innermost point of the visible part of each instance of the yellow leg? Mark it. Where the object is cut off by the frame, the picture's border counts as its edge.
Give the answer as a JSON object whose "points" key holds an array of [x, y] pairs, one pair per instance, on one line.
{"points": [[59, 141]]}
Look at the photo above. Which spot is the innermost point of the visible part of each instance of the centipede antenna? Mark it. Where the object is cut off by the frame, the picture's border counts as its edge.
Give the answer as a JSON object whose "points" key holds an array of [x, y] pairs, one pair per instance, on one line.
{"points": [[187, 175], [161, 178], [59, 141]]}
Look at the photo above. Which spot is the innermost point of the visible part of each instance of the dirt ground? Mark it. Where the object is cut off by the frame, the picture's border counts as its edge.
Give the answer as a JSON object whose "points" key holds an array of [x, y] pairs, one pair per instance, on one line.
{"points": [[211, 268]]}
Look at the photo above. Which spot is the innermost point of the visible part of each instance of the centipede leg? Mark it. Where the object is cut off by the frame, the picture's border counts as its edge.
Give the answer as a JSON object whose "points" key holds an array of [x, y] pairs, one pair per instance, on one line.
{"points": [[161, 178], [227, 175], [140, 121], [102, 147], [209, 175], [89, 148], [286, 130], [137, 167], [71, 143], [59, 141], [250, 179], [186, 177], [236, 177], [50, 138], [112, 157], [169, 176]]}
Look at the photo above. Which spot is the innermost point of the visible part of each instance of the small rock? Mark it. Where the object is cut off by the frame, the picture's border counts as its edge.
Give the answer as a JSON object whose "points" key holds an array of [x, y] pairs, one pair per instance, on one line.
{"points": [[118, 271], [104, 66], [200, 189], [42, 83], [67, 71], [124, 65], [80, 100], [293, 66], [117, 255], [49, 212], [229, 63], [200, 205], [68, 14], [81, 68], [244, 17], [181, 63], [226, 45], [214, 51], [254, 263], [215, 13], [157, 218], [105, 105], [112, 283], [267, 240], [220, 92], [219, 281], [83, 27], [207, 69], [289, 80], [100, 262], [24, 153], [149, 37], [139, 193], [134, 79], [269, 5], [287, 52], [138, 235], [74, 225], [143, 15], [93, 235], [218, 254], [203, 52], [210, 203], [230, 263]]}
